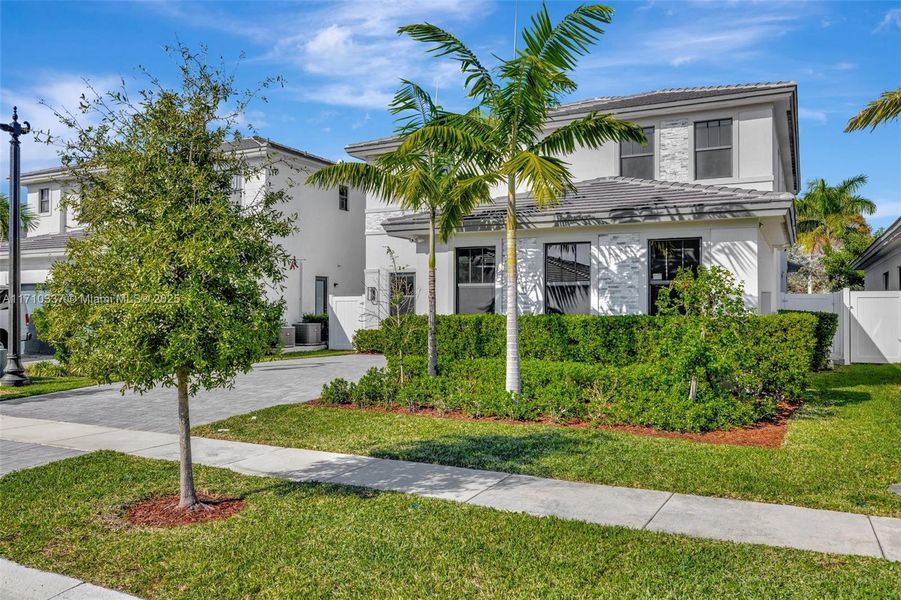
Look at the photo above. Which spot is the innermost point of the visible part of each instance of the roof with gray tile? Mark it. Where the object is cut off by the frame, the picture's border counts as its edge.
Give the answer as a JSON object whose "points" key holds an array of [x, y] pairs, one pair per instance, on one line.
{"points": [[889, 239], [244, 144], [608, 200], [53, 241], [643, 99]]}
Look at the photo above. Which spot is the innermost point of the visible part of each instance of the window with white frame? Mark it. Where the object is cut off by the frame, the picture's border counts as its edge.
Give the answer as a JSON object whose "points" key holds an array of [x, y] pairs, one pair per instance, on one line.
{"points": [[637, 160], [567, 278], [44, 200], [475, 280], [343, 194], [238, 185], [713, 149]]}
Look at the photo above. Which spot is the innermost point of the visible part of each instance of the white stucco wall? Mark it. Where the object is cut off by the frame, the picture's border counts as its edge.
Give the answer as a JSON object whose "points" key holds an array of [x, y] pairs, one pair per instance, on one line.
{"points": [[873, 274]]}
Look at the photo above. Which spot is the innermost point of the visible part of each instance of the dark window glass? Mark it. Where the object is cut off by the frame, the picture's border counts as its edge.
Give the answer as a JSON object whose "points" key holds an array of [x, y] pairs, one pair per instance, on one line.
{"points": [[567, 278], [44, 200], [885, 280], [713, 149], [342, 197], [636, 160], [666, 257], [403, 293], [475, 280], [321, 299]]}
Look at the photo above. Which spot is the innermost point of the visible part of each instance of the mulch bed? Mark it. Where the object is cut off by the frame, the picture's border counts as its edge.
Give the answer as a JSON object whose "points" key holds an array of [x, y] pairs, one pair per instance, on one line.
{"points": [[163, 511], [765, 434]]}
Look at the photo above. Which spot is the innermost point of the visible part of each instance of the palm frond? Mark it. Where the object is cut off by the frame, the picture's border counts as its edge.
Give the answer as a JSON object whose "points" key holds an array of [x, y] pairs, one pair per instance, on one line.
{"points": [[478, 79], [561, 45], [362, 176], [547, 177], [415, 106], [445, 139], [885, 108], [591, 131]]}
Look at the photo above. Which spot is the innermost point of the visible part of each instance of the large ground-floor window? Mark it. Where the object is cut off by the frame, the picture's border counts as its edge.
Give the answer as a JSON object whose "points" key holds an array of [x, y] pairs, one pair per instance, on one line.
{"points": [[403, 294], [475, 279], [664, 259], [567, 278]]}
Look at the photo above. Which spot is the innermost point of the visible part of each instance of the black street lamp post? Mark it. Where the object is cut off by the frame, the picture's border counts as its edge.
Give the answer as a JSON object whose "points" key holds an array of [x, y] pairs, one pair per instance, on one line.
{"points": [[14, 374]]}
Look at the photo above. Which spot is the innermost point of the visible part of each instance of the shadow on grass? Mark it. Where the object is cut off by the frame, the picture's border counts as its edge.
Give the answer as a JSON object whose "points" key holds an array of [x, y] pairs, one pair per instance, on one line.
{"points": [[492, 451]]}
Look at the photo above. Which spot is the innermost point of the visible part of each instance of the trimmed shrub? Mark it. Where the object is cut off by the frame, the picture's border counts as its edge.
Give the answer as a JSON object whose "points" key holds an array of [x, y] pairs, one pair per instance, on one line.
{"points": [[375, 387], [368, 340], [46, 368], [338, 391], [827, 325]]}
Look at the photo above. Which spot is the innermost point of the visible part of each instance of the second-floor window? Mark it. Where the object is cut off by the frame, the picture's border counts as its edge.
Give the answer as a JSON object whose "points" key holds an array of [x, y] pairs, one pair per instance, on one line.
{"points": [[237, 185], [44, 200], [342, 197], [636, 160], [713, 149]]}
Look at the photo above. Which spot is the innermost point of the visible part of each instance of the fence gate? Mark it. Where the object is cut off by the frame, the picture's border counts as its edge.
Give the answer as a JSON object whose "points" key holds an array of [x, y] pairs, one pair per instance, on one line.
{"points": [[345, 316], [875, 327]]}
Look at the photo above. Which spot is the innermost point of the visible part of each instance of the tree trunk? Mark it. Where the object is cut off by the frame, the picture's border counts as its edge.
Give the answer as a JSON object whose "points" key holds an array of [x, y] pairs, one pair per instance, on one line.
{"points": [[433, 325], [513, 380], [810, 283], [187, 496]]}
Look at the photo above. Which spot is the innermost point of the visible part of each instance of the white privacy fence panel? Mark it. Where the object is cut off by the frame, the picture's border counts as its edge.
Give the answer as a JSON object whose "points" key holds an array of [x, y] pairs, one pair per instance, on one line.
{"points": [[345, 317], [869, 323]]}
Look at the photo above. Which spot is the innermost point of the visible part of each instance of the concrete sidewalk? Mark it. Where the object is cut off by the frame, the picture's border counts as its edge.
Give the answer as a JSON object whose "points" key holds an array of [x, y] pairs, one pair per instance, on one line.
{"points": [[18, 582], [698, 516]]}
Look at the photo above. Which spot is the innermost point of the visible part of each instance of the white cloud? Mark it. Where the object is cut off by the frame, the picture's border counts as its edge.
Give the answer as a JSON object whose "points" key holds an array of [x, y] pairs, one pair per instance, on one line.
{"points": [[887, 210], [810, 114], [891, 19]]}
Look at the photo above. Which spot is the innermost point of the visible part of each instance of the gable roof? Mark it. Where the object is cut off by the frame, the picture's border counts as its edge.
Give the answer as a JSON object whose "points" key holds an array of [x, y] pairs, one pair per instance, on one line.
{"points": [[890, 237], [612, 200], [247, 144], [48, 242]]}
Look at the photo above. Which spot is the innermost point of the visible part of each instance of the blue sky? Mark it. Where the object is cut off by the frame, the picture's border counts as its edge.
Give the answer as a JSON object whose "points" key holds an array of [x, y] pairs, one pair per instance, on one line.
{"points": [[342, 61]]}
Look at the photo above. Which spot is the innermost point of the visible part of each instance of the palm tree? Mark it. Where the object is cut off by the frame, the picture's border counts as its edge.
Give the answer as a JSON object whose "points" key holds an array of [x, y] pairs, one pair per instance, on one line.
{"points": [[826, 213], [443, 184], [26, 218], [508, 131], [885, 108]]}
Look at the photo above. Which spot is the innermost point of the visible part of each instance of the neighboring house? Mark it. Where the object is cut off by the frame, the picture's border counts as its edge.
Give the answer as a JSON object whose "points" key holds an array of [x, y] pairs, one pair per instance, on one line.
{"points": [[881, 262], [714, 186], [326, 249]]}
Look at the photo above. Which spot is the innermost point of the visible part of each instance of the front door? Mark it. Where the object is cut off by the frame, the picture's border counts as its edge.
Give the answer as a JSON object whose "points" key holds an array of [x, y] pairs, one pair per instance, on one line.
{"points": [[321, 303]]}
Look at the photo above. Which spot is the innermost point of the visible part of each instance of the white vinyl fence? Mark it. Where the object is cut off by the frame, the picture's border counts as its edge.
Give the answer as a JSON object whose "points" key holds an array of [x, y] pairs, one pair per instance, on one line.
{"points": [[869, 323], [345, 317]]}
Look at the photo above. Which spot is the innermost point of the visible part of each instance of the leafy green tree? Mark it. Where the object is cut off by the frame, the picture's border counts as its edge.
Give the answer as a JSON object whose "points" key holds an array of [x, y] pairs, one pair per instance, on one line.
{"points": [[837, 263], [509, 133], [26, 218], [443, 183], [169, 286], [827, 212], [885, 108], [710, 299]]}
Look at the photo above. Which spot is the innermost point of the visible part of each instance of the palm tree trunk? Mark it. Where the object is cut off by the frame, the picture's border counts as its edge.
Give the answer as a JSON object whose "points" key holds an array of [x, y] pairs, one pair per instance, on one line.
{"points": [[433, 325], [188, 496], [513, 380]]}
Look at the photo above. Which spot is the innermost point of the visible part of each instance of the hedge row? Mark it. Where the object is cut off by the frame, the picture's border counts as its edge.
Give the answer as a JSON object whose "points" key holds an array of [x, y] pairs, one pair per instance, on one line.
{"points": [[827, 325], [640, 394]]}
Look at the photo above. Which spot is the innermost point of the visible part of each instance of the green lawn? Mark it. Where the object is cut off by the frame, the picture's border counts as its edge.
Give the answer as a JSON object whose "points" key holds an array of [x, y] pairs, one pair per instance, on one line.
{"points": [[311, 540], [841, 452], [310, 354], [45, 385]]}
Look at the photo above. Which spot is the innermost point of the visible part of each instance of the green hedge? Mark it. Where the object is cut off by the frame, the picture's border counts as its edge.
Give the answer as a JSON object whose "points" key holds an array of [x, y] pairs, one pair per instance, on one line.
{"points": [[639, 394], [774, 351], [827, 325]]}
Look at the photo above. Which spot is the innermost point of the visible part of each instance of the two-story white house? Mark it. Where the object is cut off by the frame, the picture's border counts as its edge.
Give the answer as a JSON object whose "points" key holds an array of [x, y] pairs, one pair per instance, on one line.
{"points": [[714, 186], [327, 247]]}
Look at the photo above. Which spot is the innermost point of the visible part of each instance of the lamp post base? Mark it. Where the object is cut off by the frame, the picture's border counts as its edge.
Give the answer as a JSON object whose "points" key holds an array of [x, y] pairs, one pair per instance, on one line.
{"points": [[15, 373]]}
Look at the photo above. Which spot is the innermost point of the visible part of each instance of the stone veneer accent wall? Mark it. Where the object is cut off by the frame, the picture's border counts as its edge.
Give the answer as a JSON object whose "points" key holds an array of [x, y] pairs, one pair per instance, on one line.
{"points": [[374, 219], [620, 259], [530, 264], [675, 162]]}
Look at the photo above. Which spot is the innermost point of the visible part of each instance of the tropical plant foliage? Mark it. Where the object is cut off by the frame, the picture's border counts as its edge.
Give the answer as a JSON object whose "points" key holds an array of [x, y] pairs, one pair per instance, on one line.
{"points": [[170, 285], [442, 182], [27, 219], [826, 213], [508, 131], [881, 110]]}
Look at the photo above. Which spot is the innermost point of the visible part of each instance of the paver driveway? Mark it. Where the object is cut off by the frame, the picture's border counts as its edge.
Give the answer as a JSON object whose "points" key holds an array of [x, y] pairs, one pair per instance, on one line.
{"points": [[267, 384]]}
